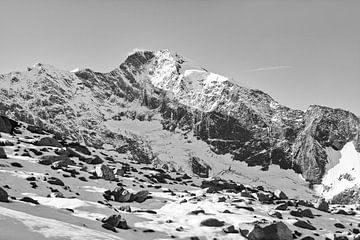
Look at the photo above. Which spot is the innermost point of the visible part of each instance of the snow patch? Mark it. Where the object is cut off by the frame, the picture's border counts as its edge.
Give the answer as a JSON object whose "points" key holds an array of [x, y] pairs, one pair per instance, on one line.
{"points": [[343, 171]]}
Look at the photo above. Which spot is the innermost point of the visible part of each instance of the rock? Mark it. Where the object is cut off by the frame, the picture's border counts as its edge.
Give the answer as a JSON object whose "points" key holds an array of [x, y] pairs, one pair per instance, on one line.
{"points": [[35, 129], [55, 181], [48, 141], [2, 153], [104, 172], [56, 195], [111, 222], [199, 168], [141, 196], [212, 222], [305, 225], [7, 125], [281, 206], [79, 148], [308, 238], [3, 195], [62, 164], [274, 231], [302, 213], [92, 160], [264, 197], [230, 229], [16, 164], [121, 194], [50, 159], [339, 225], [280, 194], [322, 205], [275, 214], [29, 200], [126, 208]]}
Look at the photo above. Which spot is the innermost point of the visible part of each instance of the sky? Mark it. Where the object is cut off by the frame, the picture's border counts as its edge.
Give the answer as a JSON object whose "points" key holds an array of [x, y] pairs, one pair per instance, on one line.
{"points": [[300, 52]]}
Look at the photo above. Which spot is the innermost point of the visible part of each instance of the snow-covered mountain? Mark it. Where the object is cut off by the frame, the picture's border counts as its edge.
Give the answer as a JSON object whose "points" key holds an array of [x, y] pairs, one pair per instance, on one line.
{"points": [[158, 110]]}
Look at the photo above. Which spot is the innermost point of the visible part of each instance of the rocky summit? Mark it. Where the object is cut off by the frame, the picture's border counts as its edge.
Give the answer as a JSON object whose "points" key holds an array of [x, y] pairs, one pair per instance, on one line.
{"points": [[161, 149]]}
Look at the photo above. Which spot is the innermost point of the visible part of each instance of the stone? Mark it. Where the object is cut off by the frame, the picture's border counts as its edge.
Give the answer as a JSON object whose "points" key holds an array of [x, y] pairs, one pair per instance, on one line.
{"points": [[2, 153], [280, 194], [275, 214], [212, 222], [339, 225], [125, 208], [55, 181], [273, 231], [230, 229], [48, 141], [111, 222], [7, 125], [121, 194], [264, 197], [104, 172], [141, 196], [322, 205], [281, 206], [305, 225], [29, 200], [50, 159], [302, 213], [3, 195]]}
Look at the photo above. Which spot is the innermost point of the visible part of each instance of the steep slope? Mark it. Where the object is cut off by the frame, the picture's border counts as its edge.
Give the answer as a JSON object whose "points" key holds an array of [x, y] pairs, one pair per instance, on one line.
{"points": [[162, 89]]}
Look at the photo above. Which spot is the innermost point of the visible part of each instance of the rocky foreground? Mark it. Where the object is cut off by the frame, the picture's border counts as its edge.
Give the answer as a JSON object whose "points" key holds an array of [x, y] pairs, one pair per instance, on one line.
{"points": [[55, 188]]}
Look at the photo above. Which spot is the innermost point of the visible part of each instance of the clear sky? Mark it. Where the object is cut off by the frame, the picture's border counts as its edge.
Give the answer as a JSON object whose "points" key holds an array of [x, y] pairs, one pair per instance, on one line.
{"points": [[300, 52]]}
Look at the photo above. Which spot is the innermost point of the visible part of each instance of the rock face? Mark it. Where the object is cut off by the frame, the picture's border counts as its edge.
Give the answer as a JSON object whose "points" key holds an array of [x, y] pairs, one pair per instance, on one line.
{"points": [[275, 231], [230, 119]]}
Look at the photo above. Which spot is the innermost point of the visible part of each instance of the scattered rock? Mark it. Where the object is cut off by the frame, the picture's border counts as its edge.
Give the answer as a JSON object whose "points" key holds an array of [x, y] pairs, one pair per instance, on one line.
{"points": [[2, 153], [302, 213], [274, 231], [230, 229], [281, 206], [48, 141], [55, 181], [280, 194], [212, 222], [29, 200], [339, 225], [322, 205], [275, 214], [3, 195], [141, 196], [103, 171], [50, 159], [120, 194], [305, 225], [16, 164]]}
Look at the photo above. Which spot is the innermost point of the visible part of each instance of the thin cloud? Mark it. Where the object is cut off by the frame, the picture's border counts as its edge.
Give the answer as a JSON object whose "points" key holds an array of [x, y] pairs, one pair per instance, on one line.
{"points": [[269, 68]]}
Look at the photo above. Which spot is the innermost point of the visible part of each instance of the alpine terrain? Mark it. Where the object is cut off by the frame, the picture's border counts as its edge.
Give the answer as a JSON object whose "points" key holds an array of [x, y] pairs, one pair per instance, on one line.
{"points": [[161, 149]]}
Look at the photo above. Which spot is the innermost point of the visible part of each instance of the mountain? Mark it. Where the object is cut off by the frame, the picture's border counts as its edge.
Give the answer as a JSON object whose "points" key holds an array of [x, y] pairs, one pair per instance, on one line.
{"points": [[157, 113]]}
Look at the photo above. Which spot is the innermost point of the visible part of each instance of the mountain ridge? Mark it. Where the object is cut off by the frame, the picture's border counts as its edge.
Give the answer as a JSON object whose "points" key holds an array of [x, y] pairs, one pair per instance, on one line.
{"points": [[247, 123]]}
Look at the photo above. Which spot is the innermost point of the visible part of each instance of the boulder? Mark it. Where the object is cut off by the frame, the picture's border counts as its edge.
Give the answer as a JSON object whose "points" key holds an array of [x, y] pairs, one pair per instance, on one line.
{"points": [[274, 231], [2, 153], [50, 159], [322, 205], [55, 181], [48, 141], [305, 225], [264, 197], [281, 206], [280, 194], [3, 195], [120, 194], [212, 222], [7, 125], [141, 196], [111, 222], [104, 172], [302, 213]]}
